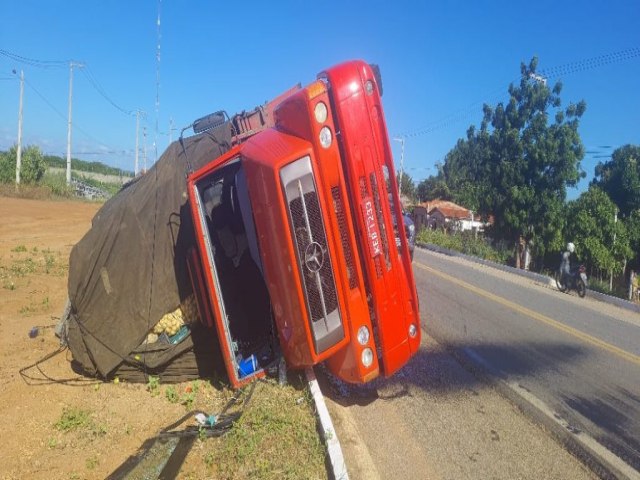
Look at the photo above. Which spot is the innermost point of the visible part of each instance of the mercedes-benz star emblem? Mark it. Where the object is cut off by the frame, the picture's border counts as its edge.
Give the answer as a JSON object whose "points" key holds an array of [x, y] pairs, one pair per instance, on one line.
{"points": [[313, 257]]}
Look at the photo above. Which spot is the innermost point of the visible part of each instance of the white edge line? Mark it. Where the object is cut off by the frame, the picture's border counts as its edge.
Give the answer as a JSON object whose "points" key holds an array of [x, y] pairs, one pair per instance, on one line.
{"points": [[334, 450], [587, 442]]}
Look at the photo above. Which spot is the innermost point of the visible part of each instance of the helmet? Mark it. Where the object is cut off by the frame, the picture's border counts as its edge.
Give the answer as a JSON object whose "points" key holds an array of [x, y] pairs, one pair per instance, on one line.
{"points": [[571, 247]]}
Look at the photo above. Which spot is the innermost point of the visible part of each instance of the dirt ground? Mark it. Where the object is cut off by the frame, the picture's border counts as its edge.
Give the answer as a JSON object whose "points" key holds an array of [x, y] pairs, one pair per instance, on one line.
{"points": [[55, 423]]}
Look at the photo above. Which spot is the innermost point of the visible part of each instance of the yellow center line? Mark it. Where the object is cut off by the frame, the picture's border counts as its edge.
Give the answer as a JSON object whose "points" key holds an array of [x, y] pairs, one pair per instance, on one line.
{"points": [[535, 315]]}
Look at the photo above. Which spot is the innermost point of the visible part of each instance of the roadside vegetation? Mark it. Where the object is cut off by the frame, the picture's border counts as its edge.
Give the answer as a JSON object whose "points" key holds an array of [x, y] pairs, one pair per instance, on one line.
{"points": [[275, 437], [516, 168], [44, 176], [464, 242]]}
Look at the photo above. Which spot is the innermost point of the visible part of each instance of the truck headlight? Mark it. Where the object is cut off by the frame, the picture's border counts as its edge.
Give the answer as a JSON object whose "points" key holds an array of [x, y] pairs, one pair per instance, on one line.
{"points": [[320, 112], [367, 357], [412, 330], [363, 335], [368, 87], [325, 137]]}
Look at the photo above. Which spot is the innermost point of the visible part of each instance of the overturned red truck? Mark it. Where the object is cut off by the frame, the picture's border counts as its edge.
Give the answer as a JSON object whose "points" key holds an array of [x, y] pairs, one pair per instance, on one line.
{"points": [[295, 235]]}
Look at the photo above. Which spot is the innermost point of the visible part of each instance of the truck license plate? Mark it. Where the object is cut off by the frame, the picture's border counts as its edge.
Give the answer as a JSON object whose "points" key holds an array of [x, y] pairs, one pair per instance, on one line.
{"points": [[371, 226]]}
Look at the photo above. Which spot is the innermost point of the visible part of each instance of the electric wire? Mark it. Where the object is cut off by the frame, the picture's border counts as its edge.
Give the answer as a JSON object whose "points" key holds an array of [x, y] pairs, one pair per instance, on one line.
{"points": [[46, 64], [86, 71], [63, 117], [552, 72], [89, 75]]}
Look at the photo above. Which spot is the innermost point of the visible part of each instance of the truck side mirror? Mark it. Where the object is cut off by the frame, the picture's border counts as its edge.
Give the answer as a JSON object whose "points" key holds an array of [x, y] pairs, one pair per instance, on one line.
{"points": [[208, 122]]}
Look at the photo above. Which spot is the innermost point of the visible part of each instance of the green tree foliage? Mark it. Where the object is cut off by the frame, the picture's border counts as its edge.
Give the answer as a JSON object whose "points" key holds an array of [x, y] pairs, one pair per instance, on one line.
{"points": [[408, 186], [518, 165], [32, 163], [620, 178], [464, 170], [433, 187], [601, 241], [7, 168], [632, 223]]}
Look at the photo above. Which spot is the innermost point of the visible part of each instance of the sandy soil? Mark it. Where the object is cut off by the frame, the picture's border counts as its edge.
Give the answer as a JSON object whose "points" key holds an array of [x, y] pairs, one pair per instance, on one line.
{"points": [[56, 424]]}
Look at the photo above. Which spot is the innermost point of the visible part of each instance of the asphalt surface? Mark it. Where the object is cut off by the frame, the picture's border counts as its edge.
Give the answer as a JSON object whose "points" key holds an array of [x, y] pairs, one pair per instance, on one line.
{"points": [[576, 359]]}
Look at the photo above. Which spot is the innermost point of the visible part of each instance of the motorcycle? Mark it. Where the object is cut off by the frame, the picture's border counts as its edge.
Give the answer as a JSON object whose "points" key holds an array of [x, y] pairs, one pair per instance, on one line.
{"points": [[576, 280]]}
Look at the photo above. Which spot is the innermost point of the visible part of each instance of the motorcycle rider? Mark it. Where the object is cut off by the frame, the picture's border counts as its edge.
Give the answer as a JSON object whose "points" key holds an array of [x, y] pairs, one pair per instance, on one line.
{"points": [[565, 264]]}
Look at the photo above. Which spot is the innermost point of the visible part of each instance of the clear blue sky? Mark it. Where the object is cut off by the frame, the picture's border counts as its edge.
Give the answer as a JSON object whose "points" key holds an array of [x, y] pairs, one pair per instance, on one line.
{"points": [[440, 61]]}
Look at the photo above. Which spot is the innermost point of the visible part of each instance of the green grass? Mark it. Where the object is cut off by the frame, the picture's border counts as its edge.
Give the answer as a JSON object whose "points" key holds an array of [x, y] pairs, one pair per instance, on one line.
{"points": [[276, 438], [465, 243], [73, 419], [56, 182], [603, 287]]}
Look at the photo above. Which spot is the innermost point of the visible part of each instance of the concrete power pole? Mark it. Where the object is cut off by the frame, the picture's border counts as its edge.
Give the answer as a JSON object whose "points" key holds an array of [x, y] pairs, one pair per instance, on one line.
{"points": [[71, 65], [144, 146], [19, 150], [171, 129], [135, 169], [401, 140]]}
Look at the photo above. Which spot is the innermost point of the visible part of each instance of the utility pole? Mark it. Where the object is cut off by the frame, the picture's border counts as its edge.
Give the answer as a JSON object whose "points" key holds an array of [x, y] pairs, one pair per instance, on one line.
{"points": [[19, 150], [135, 168], [71, 65], [171, 129], [401, 140], [144, 147]]}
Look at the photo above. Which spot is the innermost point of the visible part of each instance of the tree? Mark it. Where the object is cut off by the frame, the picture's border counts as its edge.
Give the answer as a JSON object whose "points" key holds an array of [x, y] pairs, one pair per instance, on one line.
{"points": [[433, 187], [620, 178], [632, 222], [32, 165], [600, 240], [7, 168], [464, 170], [408, 187], [517, 166]]}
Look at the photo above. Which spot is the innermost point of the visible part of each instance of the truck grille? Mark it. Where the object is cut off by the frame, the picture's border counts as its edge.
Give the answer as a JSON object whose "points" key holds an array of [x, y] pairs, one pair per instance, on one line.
{"points": [[314, 259], [312, 250], [346, 246]]}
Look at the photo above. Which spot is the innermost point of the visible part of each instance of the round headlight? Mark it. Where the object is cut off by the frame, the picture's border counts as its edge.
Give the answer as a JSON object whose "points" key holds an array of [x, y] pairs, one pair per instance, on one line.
{"points": [[320, 112], [325, 137], [368, 87], [363, 335], [367, 357], [412, 330], [412, 228]]}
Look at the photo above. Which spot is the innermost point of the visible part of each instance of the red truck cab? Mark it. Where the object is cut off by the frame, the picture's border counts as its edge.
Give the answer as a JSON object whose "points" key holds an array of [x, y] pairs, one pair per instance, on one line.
{"points": [[296, 247]]}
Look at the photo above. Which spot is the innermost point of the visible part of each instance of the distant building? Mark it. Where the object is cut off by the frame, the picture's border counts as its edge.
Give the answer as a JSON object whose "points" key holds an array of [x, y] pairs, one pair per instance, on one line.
{"points": [[450, 216]]}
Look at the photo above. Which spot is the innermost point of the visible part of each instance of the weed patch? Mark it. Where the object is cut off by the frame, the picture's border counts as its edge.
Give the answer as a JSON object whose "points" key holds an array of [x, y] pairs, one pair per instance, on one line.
{"points": [[73, 419], [275, 438]]}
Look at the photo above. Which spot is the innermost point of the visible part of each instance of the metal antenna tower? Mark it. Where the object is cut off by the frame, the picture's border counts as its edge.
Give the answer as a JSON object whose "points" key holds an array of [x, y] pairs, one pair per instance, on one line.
{"points": [[155, 140]]}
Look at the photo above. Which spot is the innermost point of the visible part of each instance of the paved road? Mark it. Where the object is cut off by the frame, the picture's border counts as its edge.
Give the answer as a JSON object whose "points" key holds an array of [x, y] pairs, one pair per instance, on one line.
{"points": [[574, 359], [579, 357]]}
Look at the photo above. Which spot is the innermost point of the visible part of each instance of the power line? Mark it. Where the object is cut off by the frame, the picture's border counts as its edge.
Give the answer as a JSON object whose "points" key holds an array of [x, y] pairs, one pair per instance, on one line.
{"points": [[552, 72], [98, 87], [590, 63], [34, 62], [61, 115]]}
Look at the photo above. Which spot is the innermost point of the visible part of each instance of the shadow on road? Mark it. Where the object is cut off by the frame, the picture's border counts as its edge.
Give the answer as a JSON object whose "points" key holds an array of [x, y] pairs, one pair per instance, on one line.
{"points": [[436, 370], [609, 412]]}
